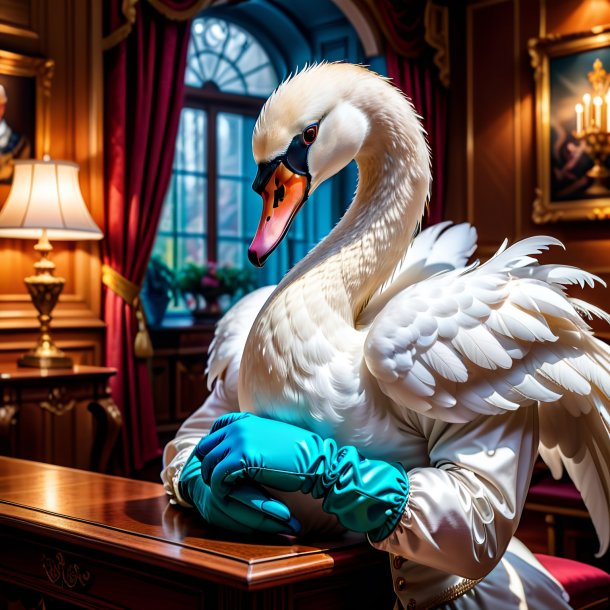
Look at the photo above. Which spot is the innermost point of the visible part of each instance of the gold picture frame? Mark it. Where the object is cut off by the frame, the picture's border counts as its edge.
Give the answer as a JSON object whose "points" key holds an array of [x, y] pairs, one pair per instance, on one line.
{"points": [[561, 65], [27, 85]]}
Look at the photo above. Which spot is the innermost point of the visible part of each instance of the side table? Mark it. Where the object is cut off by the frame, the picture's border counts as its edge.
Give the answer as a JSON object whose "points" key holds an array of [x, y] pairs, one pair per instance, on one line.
{"points": [[59, 416]]}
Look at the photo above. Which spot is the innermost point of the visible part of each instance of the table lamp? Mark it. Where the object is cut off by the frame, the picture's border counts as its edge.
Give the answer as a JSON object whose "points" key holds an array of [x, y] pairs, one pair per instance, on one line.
{"points": [[45, 201]]}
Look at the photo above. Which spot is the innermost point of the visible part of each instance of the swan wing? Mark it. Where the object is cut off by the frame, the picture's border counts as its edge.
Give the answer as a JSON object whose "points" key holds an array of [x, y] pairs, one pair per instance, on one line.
{"points": [[488, 339], [230, 337], [440, 247]]}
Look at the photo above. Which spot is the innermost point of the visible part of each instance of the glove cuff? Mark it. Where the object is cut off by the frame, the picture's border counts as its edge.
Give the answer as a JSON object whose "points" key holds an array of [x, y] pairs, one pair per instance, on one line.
{"points": [[191, 472], [402, 493]]}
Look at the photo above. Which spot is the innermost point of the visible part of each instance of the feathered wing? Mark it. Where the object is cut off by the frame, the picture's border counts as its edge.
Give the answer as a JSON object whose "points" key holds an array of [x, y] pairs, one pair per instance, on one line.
{"points": [[491, 338], [230, 337], [439, 248]]}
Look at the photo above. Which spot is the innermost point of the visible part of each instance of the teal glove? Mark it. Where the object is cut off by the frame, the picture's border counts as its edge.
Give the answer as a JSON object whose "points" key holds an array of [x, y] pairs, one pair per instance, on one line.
{"points": [[247, 510], [365, 495]]}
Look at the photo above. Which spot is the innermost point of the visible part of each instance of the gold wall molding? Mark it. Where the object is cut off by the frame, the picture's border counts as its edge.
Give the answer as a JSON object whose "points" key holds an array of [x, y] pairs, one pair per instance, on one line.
{"points": [[542, 51], [41, 69]]}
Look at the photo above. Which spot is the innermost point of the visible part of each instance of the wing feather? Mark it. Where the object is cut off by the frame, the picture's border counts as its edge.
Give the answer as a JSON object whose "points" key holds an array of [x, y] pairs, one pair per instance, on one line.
{"points": [[490, 338], [230, 336]]}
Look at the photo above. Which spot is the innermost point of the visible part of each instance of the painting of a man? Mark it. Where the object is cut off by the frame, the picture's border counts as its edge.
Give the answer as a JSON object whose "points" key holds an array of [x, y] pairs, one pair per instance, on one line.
{"points": [[13, 145]]}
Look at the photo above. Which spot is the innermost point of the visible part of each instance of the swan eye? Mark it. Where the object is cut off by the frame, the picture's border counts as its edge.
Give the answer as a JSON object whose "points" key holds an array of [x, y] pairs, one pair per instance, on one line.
{"points": [[310, 134]]}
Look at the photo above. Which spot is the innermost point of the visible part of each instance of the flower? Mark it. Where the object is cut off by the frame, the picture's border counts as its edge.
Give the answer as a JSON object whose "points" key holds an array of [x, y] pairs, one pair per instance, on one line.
{"points": [[211, 281]]}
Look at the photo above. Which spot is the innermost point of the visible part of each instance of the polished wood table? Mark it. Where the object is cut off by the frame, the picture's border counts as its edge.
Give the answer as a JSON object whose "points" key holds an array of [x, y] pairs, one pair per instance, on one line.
{"points": [[71, 538]]}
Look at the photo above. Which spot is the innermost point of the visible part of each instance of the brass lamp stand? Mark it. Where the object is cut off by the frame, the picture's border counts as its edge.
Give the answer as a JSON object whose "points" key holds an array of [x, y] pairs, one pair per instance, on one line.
{"points": [[44, 289], [45, 201]]}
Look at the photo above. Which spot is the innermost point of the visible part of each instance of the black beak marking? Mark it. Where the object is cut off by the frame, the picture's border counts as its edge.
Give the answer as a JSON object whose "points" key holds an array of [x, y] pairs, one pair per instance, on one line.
{"points": [[263, 175], [278, 195]]}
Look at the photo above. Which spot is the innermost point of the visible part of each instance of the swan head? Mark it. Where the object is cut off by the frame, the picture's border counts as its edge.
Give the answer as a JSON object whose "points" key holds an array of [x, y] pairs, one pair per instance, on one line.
{"points": [[313, 125]]}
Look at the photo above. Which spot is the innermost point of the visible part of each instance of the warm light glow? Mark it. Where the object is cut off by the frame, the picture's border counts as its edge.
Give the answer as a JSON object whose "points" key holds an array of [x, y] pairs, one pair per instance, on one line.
{"points": [[46, 195], [579, 109], [586, 98], [597, 102]]}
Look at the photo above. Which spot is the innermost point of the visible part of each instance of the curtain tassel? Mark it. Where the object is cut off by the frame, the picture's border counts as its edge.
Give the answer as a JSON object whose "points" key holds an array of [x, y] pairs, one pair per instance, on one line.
{"points": [[130, 293]]}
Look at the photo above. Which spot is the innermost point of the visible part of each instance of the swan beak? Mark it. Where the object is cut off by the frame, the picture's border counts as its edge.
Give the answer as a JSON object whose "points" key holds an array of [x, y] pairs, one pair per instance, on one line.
{"points": [[283, 193]]}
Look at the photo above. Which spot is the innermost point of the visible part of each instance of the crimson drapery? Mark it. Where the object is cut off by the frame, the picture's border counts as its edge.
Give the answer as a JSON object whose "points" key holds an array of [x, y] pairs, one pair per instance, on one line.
{"points": [[143, 88], [419, 80], [410, 65]]}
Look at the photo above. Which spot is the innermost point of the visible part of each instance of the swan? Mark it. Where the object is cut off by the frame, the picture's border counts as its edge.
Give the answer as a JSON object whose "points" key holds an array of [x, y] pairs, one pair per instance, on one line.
{"points": [[398, 346]]}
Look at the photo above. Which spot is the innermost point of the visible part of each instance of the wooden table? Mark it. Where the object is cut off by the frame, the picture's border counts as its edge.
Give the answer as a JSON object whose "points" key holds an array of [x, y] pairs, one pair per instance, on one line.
{"points": [[98, 541], [59, 416]]}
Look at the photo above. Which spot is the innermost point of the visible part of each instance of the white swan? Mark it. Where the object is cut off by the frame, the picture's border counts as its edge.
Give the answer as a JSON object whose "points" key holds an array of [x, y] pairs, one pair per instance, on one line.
{"points": [[392, 352]]}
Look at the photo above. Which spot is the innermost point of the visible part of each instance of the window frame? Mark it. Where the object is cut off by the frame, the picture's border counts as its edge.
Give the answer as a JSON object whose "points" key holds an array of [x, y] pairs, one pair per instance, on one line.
{"points": [[212, 101]]}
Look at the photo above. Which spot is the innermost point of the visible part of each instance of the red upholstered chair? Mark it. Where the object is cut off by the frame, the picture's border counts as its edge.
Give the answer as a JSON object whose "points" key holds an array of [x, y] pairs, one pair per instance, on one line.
{"points": [[588, 587], [560, 502]]}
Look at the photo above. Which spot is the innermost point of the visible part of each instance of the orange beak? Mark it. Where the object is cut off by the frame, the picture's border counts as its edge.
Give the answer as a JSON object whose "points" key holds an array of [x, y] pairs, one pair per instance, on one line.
{"points": [[283, 195]]}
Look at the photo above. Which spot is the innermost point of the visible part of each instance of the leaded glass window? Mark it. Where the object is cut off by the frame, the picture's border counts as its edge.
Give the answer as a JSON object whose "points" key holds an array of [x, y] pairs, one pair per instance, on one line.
{"points": [[226, 55]]}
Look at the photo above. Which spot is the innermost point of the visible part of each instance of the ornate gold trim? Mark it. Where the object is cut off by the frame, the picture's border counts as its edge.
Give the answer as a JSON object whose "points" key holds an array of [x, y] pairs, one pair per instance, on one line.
{"points": [[63, 574], [176, 15], [119, 284], [13, 30], [13, 64], [114, 38], [452, 593], [436, 26], [541, 50], [58, 402], [130, 293]]}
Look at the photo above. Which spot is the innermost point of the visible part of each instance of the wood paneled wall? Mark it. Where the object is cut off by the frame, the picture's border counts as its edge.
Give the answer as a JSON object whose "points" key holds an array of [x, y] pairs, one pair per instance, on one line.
{"points": [[492, 148], [69, 33]]}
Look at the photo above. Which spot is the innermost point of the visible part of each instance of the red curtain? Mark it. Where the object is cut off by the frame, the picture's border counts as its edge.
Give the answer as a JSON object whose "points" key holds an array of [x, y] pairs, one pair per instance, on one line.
{"points": [[143, 88], [411, 66], [419, 80]]}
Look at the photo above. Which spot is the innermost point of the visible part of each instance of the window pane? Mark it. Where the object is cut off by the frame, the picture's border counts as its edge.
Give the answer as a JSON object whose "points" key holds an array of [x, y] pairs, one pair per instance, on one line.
{"points": [[192, 208], [164, 247], [166, 222], [262, 82], [227, 55], [229, 207], [230, 144], [191, 249], [232, 253], [190, 152]]}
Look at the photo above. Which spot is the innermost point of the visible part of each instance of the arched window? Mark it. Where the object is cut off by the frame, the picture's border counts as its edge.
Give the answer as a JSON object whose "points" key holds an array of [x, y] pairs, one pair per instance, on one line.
{"points": [[210, 209], [229, 57], [211, 212]]}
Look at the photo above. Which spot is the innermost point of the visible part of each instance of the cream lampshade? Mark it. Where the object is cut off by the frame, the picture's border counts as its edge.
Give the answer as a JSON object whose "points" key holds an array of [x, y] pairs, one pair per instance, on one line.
{"points": [[45, 201]]}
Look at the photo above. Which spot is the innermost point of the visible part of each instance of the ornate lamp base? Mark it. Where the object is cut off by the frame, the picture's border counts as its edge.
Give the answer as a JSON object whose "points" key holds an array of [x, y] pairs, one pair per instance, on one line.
{"points": [[57, 360], [44, 289]]}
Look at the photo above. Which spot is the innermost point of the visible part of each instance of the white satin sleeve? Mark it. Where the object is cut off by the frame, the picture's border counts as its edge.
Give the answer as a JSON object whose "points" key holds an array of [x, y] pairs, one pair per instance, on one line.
{"points": [[464, 508], [178, 450]]}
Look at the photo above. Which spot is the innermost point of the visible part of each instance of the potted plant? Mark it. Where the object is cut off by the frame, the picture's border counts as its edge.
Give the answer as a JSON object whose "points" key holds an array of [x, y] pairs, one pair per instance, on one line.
{"points": [[158, 289], [205, 284]]}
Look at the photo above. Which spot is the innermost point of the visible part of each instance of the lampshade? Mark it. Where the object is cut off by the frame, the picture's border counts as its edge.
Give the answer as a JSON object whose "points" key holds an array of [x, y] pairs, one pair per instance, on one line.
{"points": [[46, 195]]}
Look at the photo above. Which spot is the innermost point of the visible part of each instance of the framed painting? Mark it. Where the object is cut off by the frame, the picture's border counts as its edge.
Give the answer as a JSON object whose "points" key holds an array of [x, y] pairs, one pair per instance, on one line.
{"points": [[573, 178], [25, 93]]}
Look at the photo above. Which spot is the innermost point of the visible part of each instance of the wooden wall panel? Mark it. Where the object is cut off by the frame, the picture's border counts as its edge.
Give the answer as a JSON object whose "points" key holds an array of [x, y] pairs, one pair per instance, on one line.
{"points": [[492, 167], [491, 162], [69, 33]]}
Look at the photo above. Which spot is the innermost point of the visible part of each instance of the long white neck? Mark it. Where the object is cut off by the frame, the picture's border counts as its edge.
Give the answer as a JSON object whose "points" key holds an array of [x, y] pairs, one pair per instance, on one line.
{"points": [[366, 245], [304, 352]]}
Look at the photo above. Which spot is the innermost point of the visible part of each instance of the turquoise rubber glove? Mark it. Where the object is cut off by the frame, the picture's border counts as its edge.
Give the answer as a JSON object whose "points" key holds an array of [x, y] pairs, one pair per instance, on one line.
{"points": [[365, 495], [247, 510]]}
